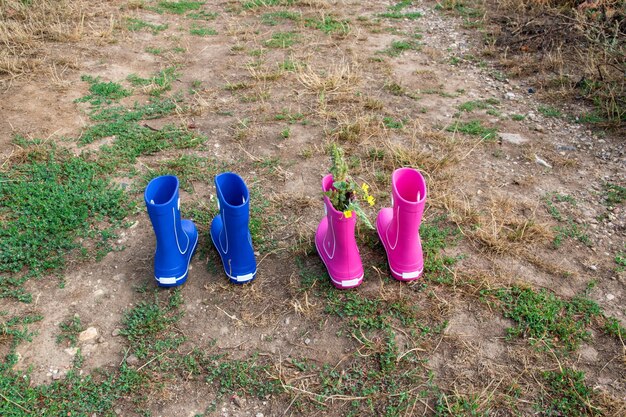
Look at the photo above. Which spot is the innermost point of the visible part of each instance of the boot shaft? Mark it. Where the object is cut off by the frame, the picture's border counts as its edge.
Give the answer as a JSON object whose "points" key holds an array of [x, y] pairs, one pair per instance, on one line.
{"points": [[163, 205], [408, 200], [233, 200]]}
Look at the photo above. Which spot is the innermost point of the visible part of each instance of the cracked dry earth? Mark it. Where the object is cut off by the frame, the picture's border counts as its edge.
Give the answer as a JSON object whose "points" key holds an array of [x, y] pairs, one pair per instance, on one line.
{"points": [[493, 192]]}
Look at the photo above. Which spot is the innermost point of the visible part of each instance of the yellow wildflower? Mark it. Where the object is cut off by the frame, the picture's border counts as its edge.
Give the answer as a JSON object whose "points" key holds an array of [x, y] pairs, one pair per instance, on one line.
{"points": [[347, 213], [370, 200], [365, 188]]}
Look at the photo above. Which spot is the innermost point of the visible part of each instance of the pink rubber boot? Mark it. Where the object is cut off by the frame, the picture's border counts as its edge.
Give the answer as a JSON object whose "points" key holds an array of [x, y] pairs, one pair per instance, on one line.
{"points": [[336, 244], [398, 226]]}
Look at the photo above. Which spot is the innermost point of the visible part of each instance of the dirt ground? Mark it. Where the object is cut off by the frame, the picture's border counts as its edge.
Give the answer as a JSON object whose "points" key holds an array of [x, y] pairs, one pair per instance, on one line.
{"points": [[341, 81]]}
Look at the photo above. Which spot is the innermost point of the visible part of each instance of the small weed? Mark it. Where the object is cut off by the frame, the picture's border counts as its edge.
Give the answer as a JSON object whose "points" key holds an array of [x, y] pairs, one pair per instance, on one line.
{"points": [[202, 15], [291, 118], [470, 106], [288, 65], [69, 331], [473, 128], [328, 25], [518, 117], [154, 50], [620, 260], [549, 111], [235, 86], [135, 25], [179, 7], [566, 394], [614, 194], [274, 18], [400, 15], [267, 3], [391, 123], [286, 133], [102, 92], [543, 317], [398, 47], [282, 40], [459, 405], [202, 31], [158, 83]]}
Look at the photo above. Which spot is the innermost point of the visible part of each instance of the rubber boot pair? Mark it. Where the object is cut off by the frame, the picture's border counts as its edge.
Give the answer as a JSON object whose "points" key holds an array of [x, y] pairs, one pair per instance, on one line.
{"points": [[397, 227], [177, 239]]}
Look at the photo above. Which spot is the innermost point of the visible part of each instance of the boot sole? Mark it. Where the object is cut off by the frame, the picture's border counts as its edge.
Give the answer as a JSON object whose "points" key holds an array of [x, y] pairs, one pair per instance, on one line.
{"points": [[239, 279], [399, 276], [351, 283], [173, 281]]}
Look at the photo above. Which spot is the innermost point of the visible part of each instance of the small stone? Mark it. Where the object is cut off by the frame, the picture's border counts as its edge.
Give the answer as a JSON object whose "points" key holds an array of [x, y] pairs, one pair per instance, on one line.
{"points": [[71, 351], [132, 360], [56, 376], [565, 148], [539, 128], [237, 400], [610, 297], [510, 96], [513, 138], [87, 335], [287, 321], [101, 339], [593, 267], [542, 162], [118, 411], [116, 332], [531, 90], [258, 415], [98, 293], [307, 341]]}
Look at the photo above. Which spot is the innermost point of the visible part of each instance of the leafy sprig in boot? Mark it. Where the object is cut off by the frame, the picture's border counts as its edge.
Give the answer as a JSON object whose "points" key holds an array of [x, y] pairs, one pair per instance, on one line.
{"points": [[336, 244]]}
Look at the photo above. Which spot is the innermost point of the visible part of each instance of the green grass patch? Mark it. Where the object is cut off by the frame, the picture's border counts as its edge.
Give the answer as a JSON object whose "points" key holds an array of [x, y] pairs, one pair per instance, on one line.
{"points": [[448, 405], [398, 47], [154, 50], [202, 15], [102, 92], [549, 111], [567, 227], [135, 25], [545, 319], [54, 204], [70, 329], [282, 40], [564, 393], [470, 106], [392, 123], [473, 128], [158, 84], [614, 194], [179, 7], [291, 118], [188, 168], [400, 15], [253, 4], [329, 25], [274, 18], [202, 31], [518, 117]]}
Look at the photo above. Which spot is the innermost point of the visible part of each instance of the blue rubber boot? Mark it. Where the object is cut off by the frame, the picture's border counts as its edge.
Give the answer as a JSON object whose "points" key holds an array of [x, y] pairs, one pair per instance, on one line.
{"points": [[229, 229], [176, 239]]}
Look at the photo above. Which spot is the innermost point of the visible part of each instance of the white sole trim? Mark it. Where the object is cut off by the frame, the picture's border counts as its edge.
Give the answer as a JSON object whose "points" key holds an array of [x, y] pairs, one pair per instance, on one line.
{"points": [[408, 276], [240, 279], [349, 283], [174, 280]]}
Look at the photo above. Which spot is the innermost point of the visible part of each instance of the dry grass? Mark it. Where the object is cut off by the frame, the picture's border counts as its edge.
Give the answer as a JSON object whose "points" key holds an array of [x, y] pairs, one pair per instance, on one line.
{"points": [[28, 28], [577, 47], [339, 78]]}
